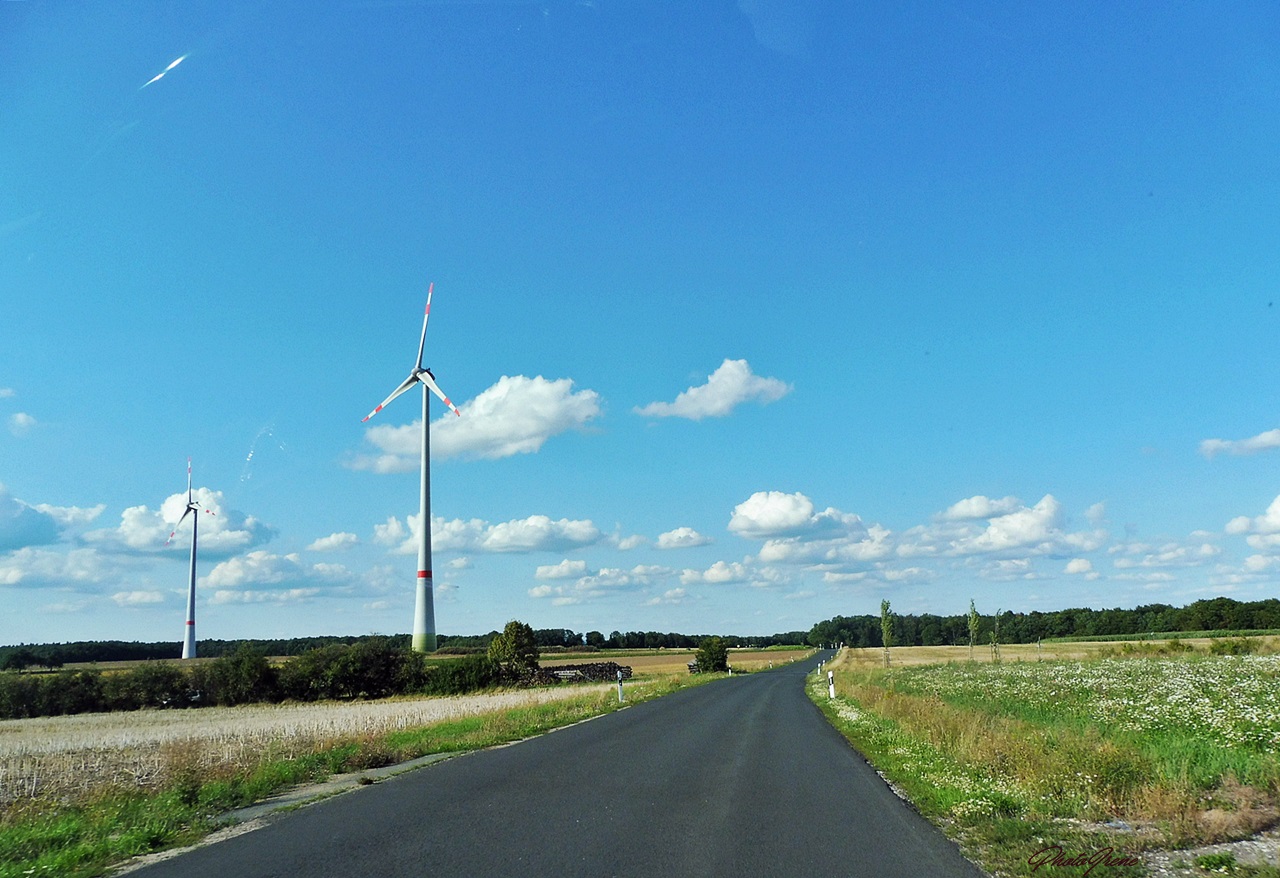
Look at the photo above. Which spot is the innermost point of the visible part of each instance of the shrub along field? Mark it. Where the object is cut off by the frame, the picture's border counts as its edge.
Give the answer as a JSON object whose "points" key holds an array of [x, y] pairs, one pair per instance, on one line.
{"points": [[1126, 753]]}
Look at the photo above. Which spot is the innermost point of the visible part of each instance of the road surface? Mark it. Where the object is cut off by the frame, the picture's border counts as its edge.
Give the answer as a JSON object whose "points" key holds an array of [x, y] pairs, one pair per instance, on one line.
{"points": [[739, 777]]}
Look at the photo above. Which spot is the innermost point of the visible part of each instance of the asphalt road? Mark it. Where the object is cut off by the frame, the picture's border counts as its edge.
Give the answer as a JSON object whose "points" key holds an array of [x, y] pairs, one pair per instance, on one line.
{"points": [[740, 777]]}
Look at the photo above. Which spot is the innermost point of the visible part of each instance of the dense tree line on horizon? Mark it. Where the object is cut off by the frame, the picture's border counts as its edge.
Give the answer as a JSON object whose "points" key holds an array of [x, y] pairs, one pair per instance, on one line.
{"points": [[1214, 614], [55, 655]]}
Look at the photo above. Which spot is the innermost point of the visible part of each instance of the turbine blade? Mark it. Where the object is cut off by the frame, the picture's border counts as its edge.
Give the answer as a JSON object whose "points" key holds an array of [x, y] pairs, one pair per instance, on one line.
{"points": [[188, 480], [426, 315], [428, 379], [408, 382], [178, 525]]}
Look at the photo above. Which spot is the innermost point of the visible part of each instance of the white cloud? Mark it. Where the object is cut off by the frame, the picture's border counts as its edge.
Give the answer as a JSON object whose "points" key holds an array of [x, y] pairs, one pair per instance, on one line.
{"points": [[771, 514], [223, 531], [38, 567], [670, 596], [334, 542], [7, 393], [682, 538], [566, 569], [1263, 531], [718, 573], [138, 598], [1170, 554], [604, 582], [1262, 442], [537, 533], [245, 578], [1024, 528], [70, 516], [1081, 566], [21, 423], [517, 415], [24, 525], [626, 544], [727, 387], [980, 507]]}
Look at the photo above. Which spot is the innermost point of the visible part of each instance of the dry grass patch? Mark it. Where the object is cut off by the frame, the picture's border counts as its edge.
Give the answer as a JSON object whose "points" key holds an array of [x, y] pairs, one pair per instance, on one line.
{"points": [[67, 756]]}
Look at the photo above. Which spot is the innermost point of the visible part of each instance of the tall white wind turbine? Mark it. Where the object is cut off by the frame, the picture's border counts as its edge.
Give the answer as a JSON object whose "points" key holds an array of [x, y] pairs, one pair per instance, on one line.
{"points": [[189, 634], [424, 613]]}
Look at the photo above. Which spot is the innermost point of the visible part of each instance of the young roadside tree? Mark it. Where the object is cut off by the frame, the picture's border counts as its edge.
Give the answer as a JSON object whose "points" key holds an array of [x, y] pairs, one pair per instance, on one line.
{"points": [[515, 651], [995, 640], [712, 655], [974, 621], [886, 629]]}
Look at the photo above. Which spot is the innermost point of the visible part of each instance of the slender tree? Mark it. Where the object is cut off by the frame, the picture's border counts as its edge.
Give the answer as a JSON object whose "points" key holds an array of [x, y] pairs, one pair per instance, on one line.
{"points": [[974, 622], [995, 639], [886, 630]]}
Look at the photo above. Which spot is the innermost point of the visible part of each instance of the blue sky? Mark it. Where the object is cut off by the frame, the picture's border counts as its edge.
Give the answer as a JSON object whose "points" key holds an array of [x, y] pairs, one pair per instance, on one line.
{"points": [[756, 312]]}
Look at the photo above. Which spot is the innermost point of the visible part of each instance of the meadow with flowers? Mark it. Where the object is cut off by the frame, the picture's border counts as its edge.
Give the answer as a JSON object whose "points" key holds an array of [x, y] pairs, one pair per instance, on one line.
{"points": [[1136, 753]]}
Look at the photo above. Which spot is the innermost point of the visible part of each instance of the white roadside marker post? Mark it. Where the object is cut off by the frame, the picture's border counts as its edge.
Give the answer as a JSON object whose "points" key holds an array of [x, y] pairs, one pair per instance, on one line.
{"points": [[831, 684], [619, 687]]}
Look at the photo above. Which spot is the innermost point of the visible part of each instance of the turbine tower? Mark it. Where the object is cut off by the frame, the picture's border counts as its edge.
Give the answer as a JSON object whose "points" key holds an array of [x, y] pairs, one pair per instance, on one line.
{"points": [[424, 613], [189, 634]]}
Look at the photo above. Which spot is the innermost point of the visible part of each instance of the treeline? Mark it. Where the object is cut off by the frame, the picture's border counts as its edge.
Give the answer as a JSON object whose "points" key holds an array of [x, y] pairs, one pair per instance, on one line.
{"points": [[56, 655], [373, 667], [1216, 614]]}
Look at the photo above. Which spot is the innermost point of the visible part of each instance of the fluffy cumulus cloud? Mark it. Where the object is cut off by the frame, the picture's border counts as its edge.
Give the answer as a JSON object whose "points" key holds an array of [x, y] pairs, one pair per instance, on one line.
{"points": [[769, 514], [1081, 567], [566, 569], [1262, 532], [973, 508], [34, 567], [23, 525], [995, 538], [260, 576], [719, 573], [669, 597], [682, 538], [604, 582], [732, 384], [334, 543], [223, 531], [1254, 444], [537, 533], [1194, 553], [982, 526], [517, 415]]}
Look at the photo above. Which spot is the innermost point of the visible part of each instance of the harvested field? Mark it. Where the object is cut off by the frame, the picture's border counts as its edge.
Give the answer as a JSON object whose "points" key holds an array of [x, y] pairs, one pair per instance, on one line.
{"points": [[905, 656], [67, 754], [676, 661]]}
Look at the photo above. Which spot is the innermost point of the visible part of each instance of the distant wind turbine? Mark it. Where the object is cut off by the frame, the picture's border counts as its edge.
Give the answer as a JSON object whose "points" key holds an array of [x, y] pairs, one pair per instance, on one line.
{"points": [[424, 613], [189, 635]]}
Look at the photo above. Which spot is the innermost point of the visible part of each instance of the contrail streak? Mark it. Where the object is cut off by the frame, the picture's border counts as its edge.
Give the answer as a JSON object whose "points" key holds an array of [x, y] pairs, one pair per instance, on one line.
{"points": [[159, 76]]}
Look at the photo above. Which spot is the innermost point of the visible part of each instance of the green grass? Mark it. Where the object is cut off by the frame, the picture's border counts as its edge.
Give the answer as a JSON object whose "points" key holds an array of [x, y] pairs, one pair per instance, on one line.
{"points": [[1010, 756]]}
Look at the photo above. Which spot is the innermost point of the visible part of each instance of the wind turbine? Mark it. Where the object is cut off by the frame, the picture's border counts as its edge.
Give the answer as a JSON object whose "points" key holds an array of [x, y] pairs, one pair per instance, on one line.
{"points": [[424, 613], [189, 635]]}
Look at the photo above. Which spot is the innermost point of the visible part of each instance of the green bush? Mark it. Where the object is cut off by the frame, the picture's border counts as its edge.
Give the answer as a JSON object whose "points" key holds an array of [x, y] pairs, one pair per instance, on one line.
{"points": [[515, 651], [242, 677], [459, 677], [153, 684], [712, 655]]}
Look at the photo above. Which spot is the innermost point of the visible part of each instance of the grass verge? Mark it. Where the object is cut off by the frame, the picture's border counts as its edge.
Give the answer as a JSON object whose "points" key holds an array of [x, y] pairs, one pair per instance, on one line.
{"points": [[1019, 766]]}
